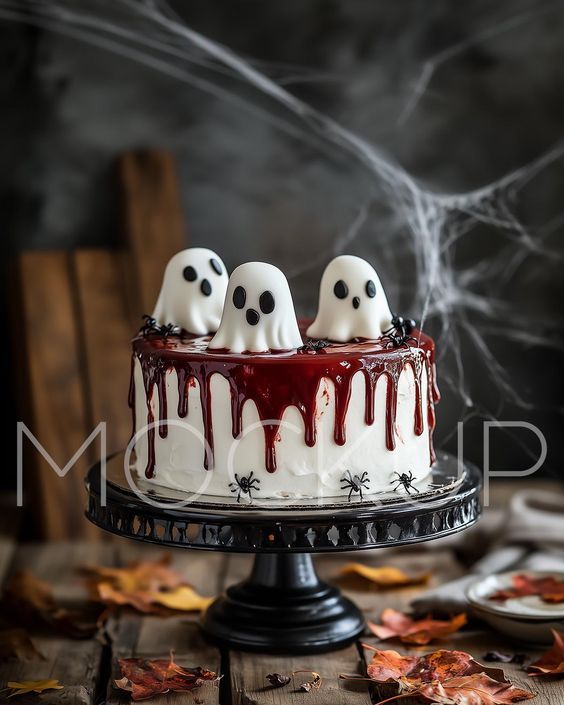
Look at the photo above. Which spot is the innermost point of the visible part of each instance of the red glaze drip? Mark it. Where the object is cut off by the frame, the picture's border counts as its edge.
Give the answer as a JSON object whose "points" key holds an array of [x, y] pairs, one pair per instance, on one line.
{"points": [[131, 395], [276, 381], [163, 406], [184, 382]]}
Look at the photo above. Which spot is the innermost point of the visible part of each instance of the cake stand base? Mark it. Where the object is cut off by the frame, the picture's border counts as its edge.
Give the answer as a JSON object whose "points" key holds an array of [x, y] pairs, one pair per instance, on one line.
{"points": [[283, 607]]}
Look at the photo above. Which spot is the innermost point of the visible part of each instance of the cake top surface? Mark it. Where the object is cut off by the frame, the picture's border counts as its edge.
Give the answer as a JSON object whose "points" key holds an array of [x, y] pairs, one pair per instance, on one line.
{"points": [[315, 351]]}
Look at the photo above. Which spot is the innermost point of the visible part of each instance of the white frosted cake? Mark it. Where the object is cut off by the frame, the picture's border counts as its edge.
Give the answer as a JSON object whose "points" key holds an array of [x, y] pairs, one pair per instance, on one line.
{"points": [[232, 397]]}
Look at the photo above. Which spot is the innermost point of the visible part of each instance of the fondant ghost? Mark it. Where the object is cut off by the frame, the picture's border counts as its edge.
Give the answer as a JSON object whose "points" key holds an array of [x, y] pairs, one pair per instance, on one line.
{"points": [[352, 302], [193, 291], [258, 314]]}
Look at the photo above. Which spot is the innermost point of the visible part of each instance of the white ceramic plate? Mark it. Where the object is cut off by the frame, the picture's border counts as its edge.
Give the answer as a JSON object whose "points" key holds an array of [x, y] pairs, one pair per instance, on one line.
{"points": [[527, 619]]}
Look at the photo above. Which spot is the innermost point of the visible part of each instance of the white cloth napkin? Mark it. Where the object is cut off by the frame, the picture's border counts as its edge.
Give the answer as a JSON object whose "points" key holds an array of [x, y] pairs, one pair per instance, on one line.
{"points": [[530, 536]]}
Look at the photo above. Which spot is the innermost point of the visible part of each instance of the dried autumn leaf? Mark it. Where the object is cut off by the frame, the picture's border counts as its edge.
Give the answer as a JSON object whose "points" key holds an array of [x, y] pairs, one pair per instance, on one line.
{"points": [[313, 684], [23, 687], [146, 586], [183, 598], [16, 644], [410, 631], [444, 677], [551, 663], [277, 680], [389, 666], [30, 601], [477, 689], [144, 678], [146, 576], [548, 589], [385, 576], [442, 665]]}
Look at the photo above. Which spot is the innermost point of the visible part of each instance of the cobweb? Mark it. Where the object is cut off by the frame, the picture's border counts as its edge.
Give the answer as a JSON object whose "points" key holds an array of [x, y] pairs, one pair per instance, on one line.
{"points": [[430, 224]]}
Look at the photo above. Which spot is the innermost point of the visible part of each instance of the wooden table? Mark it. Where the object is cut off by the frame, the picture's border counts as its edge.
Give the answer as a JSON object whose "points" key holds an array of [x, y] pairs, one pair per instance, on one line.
{"points": [[87, 668]]}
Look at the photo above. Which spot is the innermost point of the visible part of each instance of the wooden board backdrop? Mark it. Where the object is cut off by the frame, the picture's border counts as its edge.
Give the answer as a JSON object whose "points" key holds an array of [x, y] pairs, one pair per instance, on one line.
{"points": [[75, 313]]}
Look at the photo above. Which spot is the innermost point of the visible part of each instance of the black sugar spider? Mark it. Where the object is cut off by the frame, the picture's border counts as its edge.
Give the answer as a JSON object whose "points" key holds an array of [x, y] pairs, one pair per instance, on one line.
{"points": [[313, 346], [404, 480], [355, 483], [152, 327], [400, 332], [244, 485]]}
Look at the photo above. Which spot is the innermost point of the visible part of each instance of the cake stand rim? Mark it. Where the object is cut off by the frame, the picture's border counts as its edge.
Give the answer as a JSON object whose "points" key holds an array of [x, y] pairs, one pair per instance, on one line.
{"points": [[250, 531]]}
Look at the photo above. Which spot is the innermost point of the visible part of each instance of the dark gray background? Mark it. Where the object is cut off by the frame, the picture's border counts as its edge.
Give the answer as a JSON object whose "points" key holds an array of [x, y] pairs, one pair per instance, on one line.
{"points": [[495, 102]]}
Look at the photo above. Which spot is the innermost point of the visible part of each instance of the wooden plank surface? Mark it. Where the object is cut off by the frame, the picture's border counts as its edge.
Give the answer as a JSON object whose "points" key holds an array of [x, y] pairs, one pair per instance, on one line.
{"points": [[249, 684], [154, 637], [105, 334], [152, 222], [53, 403], [86, 669], [76, 664]]}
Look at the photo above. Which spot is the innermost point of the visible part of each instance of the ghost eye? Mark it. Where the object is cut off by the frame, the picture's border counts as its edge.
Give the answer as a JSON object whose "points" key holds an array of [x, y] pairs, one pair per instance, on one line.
{"points": [[266, 302], [370, 289], [341, 290], [239, 297], [214, 264], [190, 274]]}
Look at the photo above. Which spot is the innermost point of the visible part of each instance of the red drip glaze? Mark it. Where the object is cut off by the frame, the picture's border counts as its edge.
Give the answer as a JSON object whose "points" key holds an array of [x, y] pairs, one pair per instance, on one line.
{"points": [[184, 382], [163, 406], [391, 410], [131, 395], [276, 381]]}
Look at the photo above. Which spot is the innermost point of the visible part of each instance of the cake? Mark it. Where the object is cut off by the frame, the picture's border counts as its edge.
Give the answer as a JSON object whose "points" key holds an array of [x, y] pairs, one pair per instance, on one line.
{"points": [[233, 397]]}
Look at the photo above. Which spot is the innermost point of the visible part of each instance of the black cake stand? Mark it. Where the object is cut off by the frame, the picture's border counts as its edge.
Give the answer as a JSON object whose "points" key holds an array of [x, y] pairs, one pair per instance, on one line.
{"points": [[283, 606]]}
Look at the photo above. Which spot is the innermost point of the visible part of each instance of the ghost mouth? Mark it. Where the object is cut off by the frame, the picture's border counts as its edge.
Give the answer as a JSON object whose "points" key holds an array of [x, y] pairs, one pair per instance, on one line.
{"points": [[356, 302], [252, 316], [205, 287]]}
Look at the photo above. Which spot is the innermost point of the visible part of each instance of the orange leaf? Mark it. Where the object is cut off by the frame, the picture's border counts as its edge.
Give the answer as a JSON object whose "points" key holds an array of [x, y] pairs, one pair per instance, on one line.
{"points": [[440, 665], [410, 631], [477, 689], [143, 576], [390, 666], [551, 663], [548, 589], [384, 576], [23, 687], [184, 598], [145, 679], [146, 586], [448, 677]]}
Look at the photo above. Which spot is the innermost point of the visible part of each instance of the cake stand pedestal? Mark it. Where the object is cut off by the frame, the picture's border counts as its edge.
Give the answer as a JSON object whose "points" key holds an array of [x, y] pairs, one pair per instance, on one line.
{"points": [[283, 606]]}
